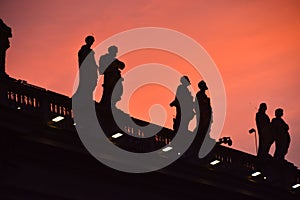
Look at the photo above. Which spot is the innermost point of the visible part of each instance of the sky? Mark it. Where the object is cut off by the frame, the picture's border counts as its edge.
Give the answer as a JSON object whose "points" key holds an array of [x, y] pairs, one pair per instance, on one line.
{"points": [[255, 45]]}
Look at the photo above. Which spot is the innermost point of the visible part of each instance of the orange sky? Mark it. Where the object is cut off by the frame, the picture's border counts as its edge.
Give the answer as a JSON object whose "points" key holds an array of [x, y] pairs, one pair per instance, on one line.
{"points": [[255, 45]]}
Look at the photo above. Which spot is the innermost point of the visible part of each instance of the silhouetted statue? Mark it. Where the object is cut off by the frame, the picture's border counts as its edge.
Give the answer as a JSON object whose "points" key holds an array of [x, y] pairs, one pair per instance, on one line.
{"points": [[184, 105], [85, 49], [88, 75], [280, 129], [203, 118], [265, 137], [111, 67], [5, 33], [204, 112]]}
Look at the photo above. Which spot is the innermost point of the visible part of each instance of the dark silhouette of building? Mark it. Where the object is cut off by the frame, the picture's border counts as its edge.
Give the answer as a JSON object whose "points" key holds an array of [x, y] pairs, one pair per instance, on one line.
{"points": [[111, 68], [44, 159], [5, 34], [280, 129], [266, 138], [184, 105]]}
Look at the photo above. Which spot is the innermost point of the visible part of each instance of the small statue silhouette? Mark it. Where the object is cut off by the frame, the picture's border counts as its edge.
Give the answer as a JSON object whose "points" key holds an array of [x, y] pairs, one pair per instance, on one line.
{"points": [[87, 68], [184, 105], [280, 129], [5, 34], [203, 117], [204, 112], [265, 137], [111, 68]]}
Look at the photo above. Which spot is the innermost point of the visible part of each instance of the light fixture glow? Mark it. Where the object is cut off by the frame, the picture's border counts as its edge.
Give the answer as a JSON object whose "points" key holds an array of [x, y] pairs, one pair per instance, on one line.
{"points": [[215, 162], [265, 177], [19, 108], [255, 174], [117, 135], [167, 149], [296, 185], [57, 119]]}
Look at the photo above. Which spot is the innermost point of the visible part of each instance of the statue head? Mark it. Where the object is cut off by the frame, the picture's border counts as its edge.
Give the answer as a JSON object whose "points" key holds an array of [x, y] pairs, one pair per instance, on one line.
{"points": [[89, 40], [202, 85], [185, 80], [279, 112], [113, 50], [262, 107]]}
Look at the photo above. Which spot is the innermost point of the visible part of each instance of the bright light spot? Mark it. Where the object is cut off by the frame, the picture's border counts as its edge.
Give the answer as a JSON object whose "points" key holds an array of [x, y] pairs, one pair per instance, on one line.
{"points": [[178, 153], [57, 119], [167, 149], [255, 174], [74, 124], [117, 135], [19, 108], [215, 162], [265, 177], [296, 186]]}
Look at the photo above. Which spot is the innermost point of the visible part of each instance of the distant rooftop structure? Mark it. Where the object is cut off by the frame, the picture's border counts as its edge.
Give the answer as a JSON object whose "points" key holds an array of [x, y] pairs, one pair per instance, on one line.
{"points": [[42, 157]]}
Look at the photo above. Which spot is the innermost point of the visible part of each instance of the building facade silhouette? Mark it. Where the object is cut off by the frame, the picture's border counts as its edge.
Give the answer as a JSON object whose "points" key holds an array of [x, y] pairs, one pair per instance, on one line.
{"points": [[44, 159]]}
